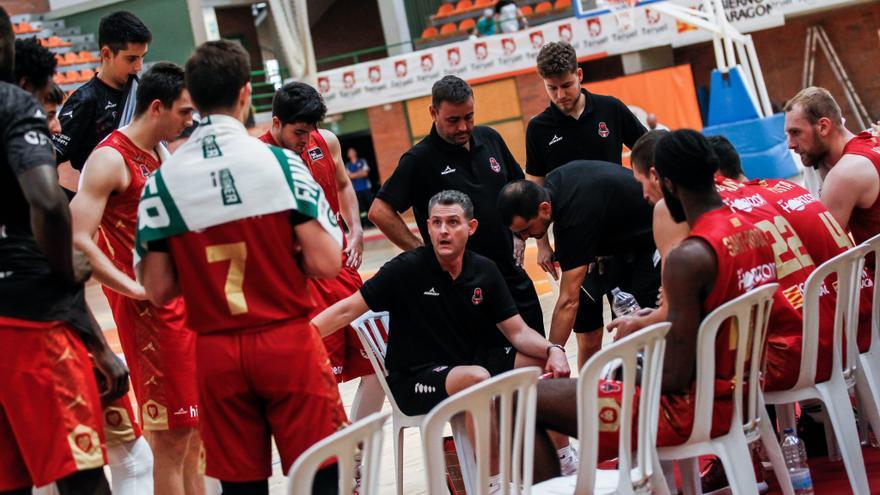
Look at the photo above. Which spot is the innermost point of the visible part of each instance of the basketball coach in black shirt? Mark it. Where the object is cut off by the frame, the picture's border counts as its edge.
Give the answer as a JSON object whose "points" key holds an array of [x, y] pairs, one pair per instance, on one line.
{"points": [[597, 210]]}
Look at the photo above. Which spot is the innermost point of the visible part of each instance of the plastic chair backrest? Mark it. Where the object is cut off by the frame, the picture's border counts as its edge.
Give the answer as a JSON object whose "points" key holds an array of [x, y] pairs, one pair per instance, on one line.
{"points": [[517, 394], [369, 328], [467, 24], [750, 311], [448, 28], [543, 7], [344, 445], [635, 473], [874, 245], [847, 267]]}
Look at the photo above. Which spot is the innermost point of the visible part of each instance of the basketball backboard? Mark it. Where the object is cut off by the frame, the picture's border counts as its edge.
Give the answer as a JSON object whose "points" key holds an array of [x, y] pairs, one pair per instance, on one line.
{"points": [[593, 8]]}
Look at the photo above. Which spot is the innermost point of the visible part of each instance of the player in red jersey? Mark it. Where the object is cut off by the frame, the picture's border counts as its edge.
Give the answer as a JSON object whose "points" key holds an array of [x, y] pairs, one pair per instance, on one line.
{"points": [[158, 347], [723, 257], [296, 110], [850, 163], [239, 247]]}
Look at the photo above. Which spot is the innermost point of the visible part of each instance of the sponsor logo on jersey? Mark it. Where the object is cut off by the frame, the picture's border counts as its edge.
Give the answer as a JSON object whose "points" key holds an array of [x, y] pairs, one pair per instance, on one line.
{"points": [[608, 387], [191, 411], [68, 113], [795, 296], [603, 130], [746, 204], [210, 148], [109, 105], [315, 153], [431, 292], [477, 298], [144, 170], [438, 369], [424, 389], [227, 188], [555, 140], [781, 187], [757, 276], [39, 114], [494, 165], [36, 138], [447, 171], [796, 204]]}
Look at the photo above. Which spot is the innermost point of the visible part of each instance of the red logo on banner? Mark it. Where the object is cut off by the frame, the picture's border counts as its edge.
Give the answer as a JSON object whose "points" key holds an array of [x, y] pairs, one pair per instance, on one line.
{"points": [[652, 16], [375, 73], [594, 25], [565, 33], [348, 79], [453, 56], [400, 68], [323, 84], [477, 297], [603, 130], [481, 50], [537, 39], [427, 63], [508, 45]]}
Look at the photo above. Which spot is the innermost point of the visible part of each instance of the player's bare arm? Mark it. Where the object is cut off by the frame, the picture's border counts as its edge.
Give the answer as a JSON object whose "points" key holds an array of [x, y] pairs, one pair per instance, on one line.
{"points": [[340, 314], [667, 233], [384, 216], [851, 183], [103, 175], [529, 342], [348, 204], [567, 305], [545, 251], [320, 254], [159, 278], [690, 272]]}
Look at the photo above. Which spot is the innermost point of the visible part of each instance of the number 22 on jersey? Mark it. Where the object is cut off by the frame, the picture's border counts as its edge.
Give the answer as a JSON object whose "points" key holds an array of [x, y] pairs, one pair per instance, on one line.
{"points": [[236, 254], [788, 250]]}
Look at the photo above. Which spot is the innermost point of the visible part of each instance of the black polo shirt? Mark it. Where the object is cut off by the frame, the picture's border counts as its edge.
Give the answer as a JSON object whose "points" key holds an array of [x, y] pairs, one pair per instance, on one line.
{"points": [[598, 210], [435, 319], [434, 165], [554, 138]]}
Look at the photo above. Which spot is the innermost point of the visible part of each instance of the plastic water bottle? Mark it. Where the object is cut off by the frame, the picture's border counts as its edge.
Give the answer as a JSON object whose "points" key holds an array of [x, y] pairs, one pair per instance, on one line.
{"points": [[795, 454], [623, 303]]}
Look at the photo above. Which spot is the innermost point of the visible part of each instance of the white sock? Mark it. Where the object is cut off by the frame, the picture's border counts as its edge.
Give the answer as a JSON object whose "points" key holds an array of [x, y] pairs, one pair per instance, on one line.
{"points": [[368, 399], [212, 486], [131, 467], [49, 489]]}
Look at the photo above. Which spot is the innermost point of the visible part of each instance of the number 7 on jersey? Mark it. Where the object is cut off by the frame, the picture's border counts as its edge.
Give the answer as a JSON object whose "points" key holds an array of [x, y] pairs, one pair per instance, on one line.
{"points": [[236, 254]]}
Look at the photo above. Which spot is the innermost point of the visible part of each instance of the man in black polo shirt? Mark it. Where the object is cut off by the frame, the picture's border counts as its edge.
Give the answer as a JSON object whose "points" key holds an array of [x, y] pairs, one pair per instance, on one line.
{"points": [[597, 209], [445, 304], [460, 156]]}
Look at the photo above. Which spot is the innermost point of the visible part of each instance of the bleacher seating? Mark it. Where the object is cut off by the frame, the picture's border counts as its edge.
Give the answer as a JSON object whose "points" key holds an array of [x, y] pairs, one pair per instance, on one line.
{"points": [[464, 14]]}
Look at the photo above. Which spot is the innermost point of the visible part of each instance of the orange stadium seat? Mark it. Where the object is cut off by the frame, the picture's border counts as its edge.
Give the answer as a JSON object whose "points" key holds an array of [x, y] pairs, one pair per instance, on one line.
{"points": [[24, 27], [448, 28], [479, 4], [562, 4], [86, 74], [85, 57], [54, 42], [467, 24], [429, 32], [543, 7], [526, 10], [444, 10], [463, 6]]}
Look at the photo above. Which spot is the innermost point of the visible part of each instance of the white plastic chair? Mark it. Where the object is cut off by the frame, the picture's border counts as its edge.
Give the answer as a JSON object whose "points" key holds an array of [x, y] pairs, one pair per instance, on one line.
{"points": [[834, 393], [366, 435], [749, 312], [642, 471], [868, 364], [517, 394], [367, 327]]}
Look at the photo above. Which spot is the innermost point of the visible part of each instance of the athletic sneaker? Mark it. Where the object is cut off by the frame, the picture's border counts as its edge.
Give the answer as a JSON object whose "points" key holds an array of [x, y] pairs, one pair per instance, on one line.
{"points": [[714, 481], [568, 463]]}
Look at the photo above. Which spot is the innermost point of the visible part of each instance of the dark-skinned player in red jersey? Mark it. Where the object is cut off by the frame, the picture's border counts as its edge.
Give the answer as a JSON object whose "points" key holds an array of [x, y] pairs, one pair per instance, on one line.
{"points": [[236, 227], [700, 274], [50, 408]]}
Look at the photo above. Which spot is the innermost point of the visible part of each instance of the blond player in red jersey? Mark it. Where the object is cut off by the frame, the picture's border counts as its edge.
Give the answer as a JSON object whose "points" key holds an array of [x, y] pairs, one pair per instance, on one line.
{"points": [[158, 347], [296, 110]]}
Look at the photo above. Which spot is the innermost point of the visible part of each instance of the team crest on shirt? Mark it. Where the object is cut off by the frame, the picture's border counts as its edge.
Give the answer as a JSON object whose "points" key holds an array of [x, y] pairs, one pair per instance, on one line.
{"points": [[477, 298], [113, 417], [316, 154], [603, 130], [494, 165], [144, 171]]}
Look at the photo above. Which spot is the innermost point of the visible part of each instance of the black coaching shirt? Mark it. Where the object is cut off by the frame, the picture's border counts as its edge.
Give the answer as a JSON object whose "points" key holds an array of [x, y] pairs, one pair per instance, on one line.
{"points": [[434, 165], [598, 210], [28, 288], [435, 319], [554, 138], [91, 113]]}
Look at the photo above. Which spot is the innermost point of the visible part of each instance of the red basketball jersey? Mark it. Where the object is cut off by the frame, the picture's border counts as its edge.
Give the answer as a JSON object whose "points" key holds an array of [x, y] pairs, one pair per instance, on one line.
{"points": [[745, 261], [119, 223], [864, 223], [241, 274]]}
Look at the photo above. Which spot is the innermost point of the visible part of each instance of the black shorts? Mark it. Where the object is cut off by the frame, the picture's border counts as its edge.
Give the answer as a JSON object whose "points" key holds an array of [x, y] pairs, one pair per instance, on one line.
{"points": [[635, 273]]}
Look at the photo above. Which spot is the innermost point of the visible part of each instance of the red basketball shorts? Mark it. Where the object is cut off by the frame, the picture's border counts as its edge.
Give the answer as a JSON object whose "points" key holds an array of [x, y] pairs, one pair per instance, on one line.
{"points": [[274, 381], [347, 356], [160, 352], [120, 422], [50, 411], [674, 426]]}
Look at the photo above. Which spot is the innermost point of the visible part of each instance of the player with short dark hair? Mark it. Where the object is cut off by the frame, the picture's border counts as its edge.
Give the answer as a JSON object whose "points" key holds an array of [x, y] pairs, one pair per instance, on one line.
{"points": [[34, 66], [729, 164], [158, 347], [235, 227], [297, 108], [105, 102]]}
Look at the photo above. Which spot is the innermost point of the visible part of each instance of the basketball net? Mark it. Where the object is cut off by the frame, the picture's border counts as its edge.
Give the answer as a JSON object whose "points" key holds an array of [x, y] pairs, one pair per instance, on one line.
{"points": [[623, 11]]}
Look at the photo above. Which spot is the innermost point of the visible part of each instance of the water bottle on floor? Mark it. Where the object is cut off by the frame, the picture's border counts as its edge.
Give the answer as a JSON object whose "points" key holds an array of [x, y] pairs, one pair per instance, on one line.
{"points": [[623, 303], [795, 454]]}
